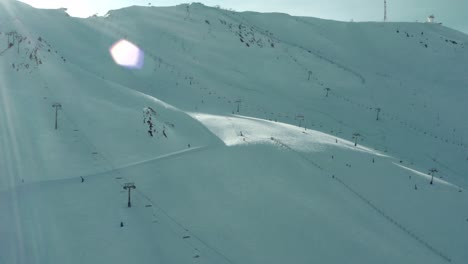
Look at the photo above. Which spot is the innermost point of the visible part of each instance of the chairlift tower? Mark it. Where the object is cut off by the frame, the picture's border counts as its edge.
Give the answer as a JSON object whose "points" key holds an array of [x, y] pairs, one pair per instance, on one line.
{"points": [[238, 101], [432, 171], [129, 186], [301, 118], [57, 107]]}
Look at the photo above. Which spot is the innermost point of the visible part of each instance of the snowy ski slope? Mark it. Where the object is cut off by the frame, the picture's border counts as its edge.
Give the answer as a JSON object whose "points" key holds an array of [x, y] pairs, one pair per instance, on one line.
{"points": [[253, 158]]}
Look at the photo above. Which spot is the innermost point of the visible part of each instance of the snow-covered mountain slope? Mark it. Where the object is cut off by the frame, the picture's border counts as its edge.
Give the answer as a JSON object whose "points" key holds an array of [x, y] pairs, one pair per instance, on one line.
{"points": [[253, 157]]}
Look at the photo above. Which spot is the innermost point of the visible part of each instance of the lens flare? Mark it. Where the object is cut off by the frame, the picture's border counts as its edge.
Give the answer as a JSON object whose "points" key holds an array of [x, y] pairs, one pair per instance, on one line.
{"points": [[127, 54]]}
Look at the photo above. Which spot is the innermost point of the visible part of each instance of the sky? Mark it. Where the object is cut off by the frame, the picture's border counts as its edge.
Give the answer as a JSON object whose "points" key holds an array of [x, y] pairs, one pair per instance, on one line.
{"points": [[452, 13]]}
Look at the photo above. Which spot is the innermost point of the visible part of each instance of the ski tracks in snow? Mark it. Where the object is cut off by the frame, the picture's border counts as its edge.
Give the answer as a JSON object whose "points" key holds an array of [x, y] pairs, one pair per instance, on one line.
{"points": [[373, 206], [176, 227], [291, 44]]}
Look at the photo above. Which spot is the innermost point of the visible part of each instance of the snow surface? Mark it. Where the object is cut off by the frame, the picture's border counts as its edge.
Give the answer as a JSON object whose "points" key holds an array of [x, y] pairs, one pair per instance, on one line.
{"points": [[252, 160]]}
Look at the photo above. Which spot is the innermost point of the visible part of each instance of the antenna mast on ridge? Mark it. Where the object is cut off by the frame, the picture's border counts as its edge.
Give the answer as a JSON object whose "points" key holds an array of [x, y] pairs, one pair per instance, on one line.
{"points": [[385, 10]]}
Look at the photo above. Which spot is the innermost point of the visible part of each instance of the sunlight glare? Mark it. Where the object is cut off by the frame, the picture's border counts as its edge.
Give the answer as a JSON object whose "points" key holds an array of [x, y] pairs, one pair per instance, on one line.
{"points": [[127, 54]]}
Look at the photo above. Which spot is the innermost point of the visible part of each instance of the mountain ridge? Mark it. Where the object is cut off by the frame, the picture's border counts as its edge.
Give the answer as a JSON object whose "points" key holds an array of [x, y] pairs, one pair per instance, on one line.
{"points": [[274, 139]]}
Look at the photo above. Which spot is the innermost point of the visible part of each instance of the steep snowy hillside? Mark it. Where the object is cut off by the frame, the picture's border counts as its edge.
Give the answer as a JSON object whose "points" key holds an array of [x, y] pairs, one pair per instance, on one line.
{"points": [[272, 139]]}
